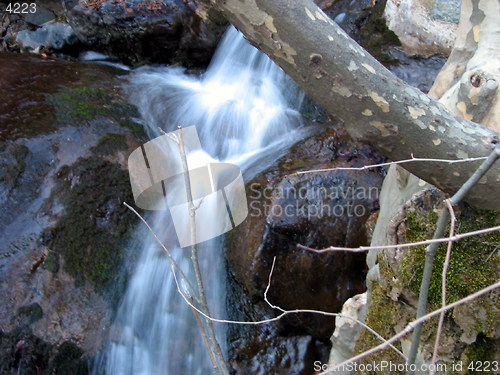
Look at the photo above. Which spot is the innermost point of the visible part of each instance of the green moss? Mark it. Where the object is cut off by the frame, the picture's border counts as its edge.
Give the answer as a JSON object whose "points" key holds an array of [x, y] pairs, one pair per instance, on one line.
{"points": [[136, 128], [51, 264], [83, 103], [69, 361], [30, 313], [473, 263], [110, 143], [481, 351], [12, 162], [383, 315], [91, 234]]}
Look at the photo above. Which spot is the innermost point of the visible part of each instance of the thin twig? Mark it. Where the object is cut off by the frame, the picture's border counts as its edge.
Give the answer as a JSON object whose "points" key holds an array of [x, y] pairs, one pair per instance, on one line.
{"points": [[446, 264], [203, 332], [409, 244], [411, 326], [413, 159], [165, 249], [283, 314], [194, 258]]}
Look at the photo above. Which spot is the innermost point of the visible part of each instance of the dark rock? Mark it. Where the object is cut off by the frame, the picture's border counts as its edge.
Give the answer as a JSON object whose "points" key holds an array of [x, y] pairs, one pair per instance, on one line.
{"points": [[13, 159], [40, 17], [287, 356], [63, 150], [319, 209], [30, 313], [56, 36], [363, 21], [147, 31], [69, 361], [21, 352]]}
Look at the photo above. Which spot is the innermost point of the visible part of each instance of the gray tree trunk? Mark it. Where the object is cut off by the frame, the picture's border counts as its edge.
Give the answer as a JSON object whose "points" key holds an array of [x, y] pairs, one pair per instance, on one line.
{"points": [[375, 106]]}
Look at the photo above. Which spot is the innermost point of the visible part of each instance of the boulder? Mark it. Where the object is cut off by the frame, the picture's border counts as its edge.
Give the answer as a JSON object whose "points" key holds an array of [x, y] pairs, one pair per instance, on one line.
{"points": [[316, 209], [145, 31]]}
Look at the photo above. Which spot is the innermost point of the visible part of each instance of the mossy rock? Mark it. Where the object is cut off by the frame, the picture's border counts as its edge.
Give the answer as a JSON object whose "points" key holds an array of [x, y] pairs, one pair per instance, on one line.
{"points": [[474, 261], [479, 353], [474, 265], [375, 36], [12, 162], [52, 262], [91, 234], [69, 360], [30, 313], [83, 104], [135, 128], [109, 144], [383, 315]]}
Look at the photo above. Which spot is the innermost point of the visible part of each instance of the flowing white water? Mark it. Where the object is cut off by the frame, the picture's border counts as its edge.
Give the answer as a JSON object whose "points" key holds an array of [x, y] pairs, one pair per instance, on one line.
{"points": [[242, 106]]}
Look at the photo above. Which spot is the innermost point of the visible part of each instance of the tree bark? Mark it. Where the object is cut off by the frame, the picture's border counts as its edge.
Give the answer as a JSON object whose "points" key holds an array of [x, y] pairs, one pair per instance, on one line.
{"points": [[375, 106], [468, 83]]}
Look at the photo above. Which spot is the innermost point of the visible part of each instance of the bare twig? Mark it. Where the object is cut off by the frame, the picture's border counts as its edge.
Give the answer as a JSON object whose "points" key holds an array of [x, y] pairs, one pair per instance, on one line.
{"points": [[203, 332], [283, 314], [165, 249], [411, 326], [214, 344], [413, 159], [453, 222], [409, 244], [432, 249]]}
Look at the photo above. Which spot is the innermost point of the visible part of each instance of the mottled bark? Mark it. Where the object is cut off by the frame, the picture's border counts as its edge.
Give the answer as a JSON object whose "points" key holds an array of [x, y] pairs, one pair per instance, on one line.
{"points": [[468, 83], [374, 105]]}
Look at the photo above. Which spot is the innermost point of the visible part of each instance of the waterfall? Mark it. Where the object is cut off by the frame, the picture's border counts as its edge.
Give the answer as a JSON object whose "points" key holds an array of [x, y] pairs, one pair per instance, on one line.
{"points": [[243, 106]]}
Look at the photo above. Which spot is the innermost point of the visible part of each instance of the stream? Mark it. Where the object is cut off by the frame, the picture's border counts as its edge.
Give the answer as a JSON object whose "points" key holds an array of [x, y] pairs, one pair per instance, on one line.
{"points": [[243, 107]]}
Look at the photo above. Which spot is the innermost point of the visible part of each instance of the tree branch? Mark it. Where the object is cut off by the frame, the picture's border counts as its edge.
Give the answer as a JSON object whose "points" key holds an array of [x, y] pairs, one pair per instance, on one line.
{"points": [[374, 105]]}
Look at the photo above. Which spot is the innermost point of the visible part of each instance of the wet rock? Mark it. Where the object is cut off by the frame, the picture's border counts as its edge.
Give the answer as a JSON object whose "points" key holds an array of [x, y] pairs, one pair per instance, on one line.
{"points": [[21, 352], [13, 159], [30, 313], [363, 21], [12, 23], [68, 360], [316, 210], [291, 355], [24, 353], [147, 31], [56, 36], [64, 179], [40, 17]]}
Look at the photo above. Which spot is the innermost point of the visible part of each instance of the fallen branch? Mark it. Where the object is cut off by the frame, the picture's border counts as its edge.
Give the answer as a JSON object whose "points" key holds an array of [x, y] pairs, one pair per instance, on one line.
{"points": [[397, 246]]}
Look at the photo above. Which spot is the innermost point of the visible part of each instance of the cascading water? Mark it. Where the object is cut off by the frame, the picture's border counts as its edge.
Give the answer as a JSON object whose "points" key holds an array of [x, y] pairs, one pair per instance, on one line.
{"points": [[242, 105]]}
